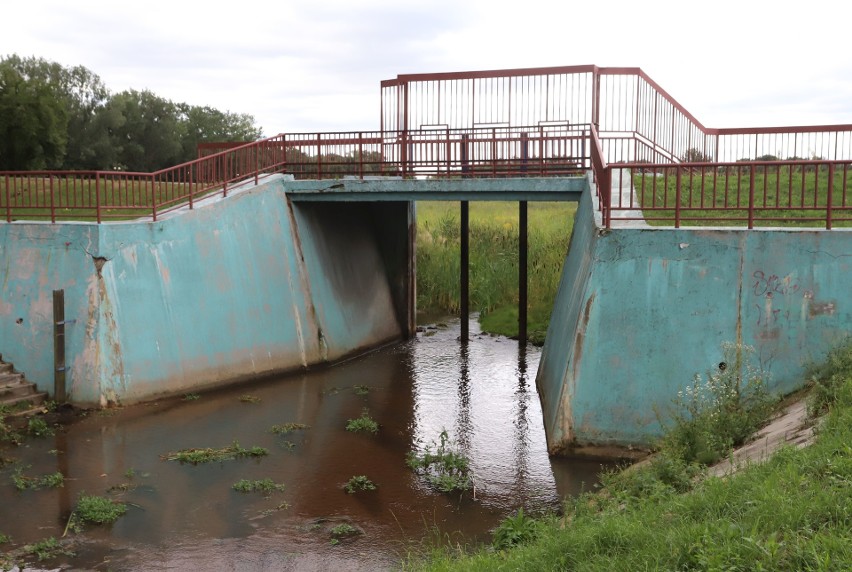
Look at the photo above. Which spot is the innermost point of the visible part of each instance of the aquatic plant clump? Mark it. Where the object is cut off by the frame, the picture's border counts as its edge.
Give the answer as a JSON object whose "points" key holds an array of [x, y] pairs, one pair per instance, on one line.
{"points": [[364, 423], [98, 510], [285, 428], [23, 482], [359, 483], [196, 456], [265, 486], [443, 468]]}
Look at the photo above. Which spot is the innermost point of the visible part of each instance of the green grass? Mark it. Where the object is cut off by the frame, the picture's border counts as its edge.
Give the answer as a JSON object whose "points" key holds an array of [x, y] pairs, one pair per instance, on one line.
{"points": [[793, 512], [207, 455], [779, 196], [493, 261]]}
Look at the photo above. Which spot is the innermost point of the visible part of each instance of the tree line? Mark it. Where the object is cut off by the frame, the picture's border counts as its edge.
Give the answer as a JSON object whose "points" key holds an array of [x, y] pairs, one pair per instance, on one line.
{"points": [[57, 117]]}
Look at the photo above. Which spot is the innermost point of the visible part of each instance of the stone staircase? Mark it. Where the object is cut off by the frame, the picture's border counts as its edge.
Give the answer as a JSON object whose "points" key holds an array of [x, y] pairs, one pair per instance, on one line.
{"points": [[19, 395]]}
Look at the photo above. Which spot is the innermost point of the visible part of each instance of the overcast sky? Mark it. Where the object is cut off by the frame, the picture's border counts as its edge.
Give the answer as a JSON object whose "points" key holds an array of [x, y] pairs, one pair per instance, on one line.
{"points": [[315, 65]]}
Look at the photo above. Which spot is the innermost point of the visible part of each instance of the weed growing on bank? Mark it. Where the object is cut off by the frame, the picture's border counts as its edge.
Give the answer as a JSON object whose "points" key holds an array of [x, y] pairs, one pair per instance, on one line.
{"points": [[38, 427], [720, 411], [828, 379], [790, 513], [443, 467]]}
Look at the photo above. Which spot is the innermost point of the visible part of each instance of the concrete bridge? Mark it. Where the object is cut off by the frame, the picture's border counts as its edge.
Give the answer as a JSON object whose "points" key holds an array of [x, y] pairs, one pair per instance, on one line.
{"points": [[264, 257]]}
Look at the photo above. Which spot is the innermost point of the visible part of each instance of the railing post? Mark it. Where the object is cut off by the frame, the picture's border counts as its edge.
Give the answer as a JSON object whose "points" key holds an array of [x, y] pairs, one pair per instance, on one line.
{"points": [[98, 195], [449, 151], [678, 173], [8, 204], [226, 174], [525, 151], [153, 196], [605, 184], [319, 155], [463, 155], [751, 197], [360, 155], [192, 182], [256, 164], [829, 196], [52, 205]]}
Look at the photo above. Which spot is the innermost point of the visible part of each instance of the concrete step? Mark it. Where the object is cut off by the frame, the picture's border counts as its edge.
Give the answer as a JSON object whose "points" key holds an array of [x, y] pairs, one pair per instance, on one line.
{"points": [[17, 394], [25, 404], [9, 379], [20, 389]]}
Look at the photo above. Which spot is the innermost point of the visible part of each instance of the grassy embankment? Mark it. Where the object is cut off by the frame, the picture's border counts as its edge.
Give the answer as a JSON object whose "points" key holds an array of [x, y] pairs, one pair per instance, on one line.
{"points": [[493, 261], [792, 513], [780, 194]]}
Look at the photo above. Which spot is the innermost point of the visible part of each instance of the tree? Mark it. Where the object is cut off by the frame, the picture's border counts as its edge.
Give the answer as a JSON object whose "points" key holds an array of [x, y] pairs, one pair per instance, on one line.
{"points": [[33, 120], [206, 124], [149, 137]]}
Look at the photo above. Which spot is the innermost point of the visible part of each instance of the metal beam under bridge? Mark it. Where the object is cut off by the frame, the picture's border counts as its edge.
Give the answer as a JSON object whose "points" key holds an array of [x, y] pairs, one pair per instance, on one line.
{"points": [[396, 189], [521, 190]]}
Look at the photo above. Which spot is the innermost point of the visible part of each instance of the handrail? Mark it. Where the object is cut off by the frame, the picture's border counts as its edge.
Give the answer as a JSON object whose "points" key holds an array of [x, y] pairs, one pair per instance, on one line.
{"points": [[572, 118]]}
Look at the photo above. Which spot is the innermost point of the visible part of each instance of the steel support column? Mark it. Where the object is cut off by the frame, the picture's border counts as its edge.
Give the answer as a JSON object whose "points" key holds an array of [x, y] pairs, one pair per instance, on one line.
{"points": [[522, 273], [464, 302]]}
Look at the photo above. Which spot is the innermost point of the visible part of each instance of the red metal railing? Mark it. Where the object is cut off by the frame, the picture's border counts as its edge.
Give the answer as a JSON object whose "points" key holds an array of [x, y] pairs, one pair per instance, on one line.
{"points": [[110, 195], [670, 169]]}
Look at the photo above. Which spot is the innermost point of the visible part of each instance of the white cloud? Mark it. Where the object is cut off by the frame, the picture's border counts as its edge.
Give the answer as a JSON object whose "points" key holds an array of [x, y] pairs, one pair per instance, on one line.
{"points": [[316, 66]]}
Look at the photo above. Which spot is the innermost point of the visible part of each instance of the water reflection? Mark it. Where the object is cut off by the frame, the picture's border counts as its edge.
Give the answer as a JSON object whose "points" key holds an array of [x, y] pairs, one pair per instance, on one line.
{"points": [[479, 391]]}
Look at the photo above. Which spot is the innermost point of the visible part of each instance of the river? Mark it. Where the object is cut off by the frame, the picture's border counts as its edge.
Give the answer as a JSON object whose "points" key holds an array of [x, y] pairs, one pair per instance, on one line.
{"points": [[184, 516]]}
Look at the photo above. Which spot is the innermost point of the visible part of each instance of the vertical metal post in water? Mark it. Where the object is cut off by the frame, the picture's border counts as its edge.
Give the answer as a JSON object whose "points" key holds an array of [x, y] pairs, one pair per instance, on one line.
{"points": [[522, 273], [465, 276], [59, 345]]}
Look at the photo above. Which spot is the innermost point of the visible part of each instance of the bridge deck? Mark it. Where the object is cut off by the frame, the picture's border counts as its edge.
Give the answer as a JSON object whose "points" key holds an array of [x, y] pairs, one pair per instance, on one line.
{"points": [[396, 189]]}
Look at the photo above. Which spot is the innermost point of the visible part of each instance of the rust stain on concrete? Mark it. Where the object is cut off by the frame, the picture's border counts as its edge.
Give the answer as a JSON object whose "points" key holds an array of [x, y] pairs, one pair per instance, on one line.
{"points": [[821, 309]]}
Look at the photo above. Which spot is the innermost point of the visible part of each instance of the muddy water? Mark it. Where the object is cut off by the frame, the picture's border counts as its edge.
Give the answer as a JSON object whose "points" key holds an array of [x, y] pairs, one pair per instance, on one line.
{"points": [[183, 515]]}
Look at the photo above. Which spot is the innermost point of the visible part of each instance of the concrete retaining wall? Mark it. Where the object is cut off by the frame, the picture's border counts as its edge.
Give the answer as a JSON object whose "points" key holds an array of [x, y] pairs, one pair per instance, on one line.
{"points": [[640, 311], [245, 286]]}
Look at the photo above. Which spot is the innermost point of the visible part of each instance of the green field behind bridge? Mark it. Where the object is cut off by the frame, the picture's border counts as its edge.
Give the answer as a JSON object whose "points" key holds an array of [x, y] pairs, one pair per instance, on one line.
{"points": [[493, 261]]}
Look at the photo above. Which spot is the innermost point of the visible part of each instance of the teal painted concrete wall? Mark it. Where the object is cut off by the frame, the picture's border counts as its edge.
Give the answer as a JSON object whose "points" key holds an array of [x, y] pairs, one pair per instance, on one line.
{"points": [[245, 286], [640, 311]]}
